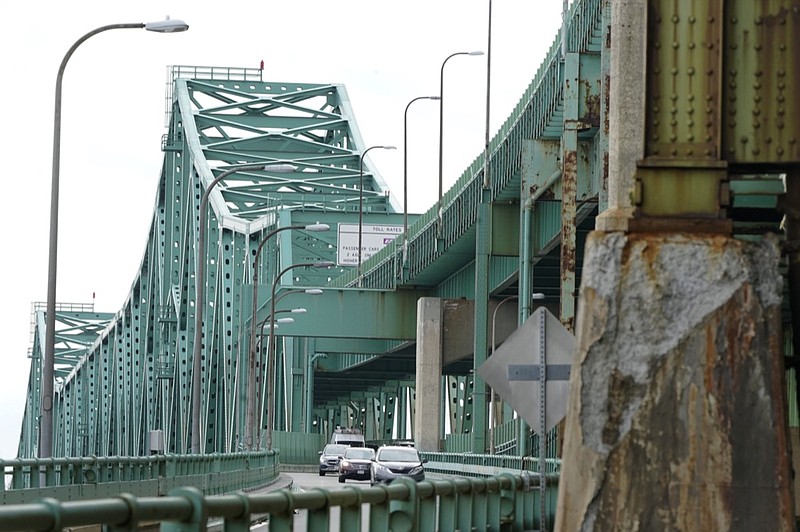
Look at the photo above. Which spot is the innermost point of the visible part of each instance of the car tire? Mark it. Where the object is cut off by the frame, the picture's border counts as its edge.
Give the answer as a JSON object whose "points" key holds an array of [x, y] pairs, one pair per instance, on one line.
{"points": [[322, 473], [341, 480]]}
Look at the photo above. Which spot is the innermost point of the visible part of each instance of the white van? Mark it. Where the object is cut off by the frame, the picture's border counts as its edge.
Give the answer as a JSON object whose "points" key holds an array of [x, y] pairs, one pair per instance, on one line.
{"points": [[351, 437]]}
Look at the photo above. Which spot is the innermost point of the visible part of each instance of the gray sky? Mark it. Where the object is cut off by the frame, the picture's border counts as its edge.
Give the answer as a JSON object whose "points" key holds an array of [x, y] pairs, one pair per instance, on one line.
{"points": [[385, 53]]}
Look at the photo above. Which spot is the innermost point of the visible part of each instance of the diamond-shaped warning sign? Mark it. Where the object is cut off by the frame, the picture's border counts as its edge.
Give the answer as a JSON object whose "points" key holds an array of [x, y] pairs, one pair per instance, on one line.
{"points": [[514, 371]]}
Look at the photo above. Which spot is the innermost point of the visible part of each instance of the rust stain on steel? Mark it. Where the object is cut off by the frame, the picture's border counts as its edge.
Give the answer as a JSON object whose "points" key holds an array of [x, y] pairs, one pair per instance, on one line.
{"points": [[591, 116]]}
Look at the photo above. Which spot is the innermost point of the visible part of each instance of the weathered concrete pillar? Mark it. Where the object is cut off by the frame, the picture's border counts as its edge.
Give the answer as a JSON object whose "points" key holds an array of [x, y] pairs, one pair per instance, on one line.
{"points": [[676, 417], [428, 402], [626, 110]]}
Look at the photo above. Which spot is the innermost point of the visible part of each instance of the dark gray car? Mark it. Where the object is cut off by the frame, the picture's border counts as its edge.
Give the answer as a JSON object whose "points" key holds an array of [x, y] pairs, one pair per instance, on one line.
{"points": [[394, 461], [329, 458]]}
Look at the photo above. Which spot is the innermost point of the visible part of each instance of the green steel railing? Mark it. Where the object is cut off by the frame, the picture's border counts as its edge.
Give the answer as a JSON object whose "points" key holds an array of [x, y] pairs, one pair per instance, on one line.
{"points": [[507, 501], [84, 478]]}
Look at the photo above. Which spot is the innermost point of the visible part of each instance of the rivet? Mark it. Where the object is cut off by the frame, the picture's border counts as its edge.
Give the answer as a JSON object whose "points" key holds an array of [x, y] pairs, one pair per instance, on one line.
{"points": [[673, 123], [674, 71], [733, 72], [675, 18], [756, 98], [732, 85], [657, 45], [758, 73], [781, 110], [657, 70], [781, 73], [756, 124], [709, 98], [792, 141], [732, 97], [655, 137], [692, 20], [673, 138], [781, 98], [689, 123], [710, 20], [779, 124], [707, 153], [674, 152], [690, 71], [757, 47], [690, 97], [756, 151], [690, 138], [756, 112], [758, 21], [734, 20], [768, 140], [779, 151], [710, 72], [690, 151], [756, 85], [783, 21], [732, 124], [781, 85], [733, 46], [691, 46], [710, 45], [732, 112], [673, 110], [675, 45], [656, 109], [690, 110], [743, 140], [732, 151], [782, 47], [673, 97], [709, 138]]}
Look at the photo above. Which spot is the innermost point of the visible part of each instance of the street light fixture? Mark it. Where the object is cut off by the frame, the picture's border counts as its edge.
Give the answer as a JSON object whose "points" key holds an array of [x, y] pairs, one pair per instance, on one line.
{"points": [[405, 173], [200, 272], [252, 358], [361, 199], [48, 367], [271, 353], [441, 133]]}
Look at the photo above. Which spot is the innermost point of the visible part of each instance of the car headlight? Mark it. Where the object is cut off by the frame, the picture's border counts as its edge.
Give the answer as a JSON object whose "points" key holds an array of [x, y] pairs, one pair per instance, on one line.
{"points": [[344, 463], [381, 469]]}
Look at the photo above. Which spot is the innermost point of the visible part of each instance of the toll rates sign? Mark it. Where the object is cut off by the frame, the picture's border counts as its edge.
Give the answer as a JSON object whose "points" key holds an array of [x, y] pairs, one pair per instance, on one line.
{"points": [[373, 239]]}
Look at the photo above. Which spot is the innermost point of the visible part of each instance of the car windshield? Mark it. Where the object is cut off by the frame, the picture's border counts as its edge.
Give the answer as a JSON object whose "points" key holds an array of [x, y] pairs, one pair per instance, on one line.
{"points": [[398, 455], [337, 450], [363, 453]]}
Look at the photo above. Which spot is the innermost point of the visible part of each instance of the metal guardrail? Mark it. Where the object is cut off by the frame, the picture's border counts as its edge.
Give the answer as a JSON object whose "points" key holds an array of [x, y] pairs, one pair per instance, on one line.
{"points": [[74, 479], [507, 501]]}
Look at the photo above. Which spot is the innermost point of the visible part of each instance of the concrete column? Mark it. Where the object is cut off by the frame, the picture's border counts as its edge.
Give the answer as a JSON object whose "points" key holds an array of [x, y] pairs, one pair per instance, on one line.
{"points": [[428, 404], [677, 412], [626, 113]]}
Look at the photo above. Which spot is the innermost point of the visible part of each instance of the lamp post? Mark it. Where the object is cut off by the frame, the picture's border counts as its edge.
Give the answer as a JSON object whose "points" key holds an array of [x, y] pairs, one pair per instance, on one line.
{"points": [[361, 199], [271, 353], [491, 399], [200, 273], [405, 172], [48, 367], [441, 133], [252, 359]]}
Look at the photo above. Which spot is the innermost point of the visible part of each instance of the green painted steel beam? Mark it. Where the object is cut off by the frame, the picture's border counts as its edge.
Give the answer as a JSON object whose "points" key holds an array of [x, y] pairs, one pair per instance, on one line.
{"points": [[355, 313]]}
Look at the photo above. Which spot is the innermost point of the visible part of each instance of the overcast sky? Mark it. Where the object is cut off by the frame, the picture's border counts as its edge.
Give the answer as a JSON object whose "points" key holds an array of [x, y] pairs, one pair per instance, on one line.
{"points": [[384, 52]]}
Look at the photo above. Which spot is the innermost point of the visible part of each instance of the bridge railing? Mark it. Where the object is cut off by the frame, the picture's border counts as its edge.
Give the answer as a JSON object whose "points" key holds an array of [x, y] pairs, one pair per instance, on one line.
{"points": [[508, 501], [84, 478]]}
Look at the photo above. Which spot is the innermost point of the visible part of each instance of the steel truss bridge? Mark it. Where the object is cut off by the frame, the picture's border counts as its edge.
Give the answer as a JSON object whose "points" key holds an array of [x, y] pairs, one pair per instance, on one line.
{"points": [[511, 226]]}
